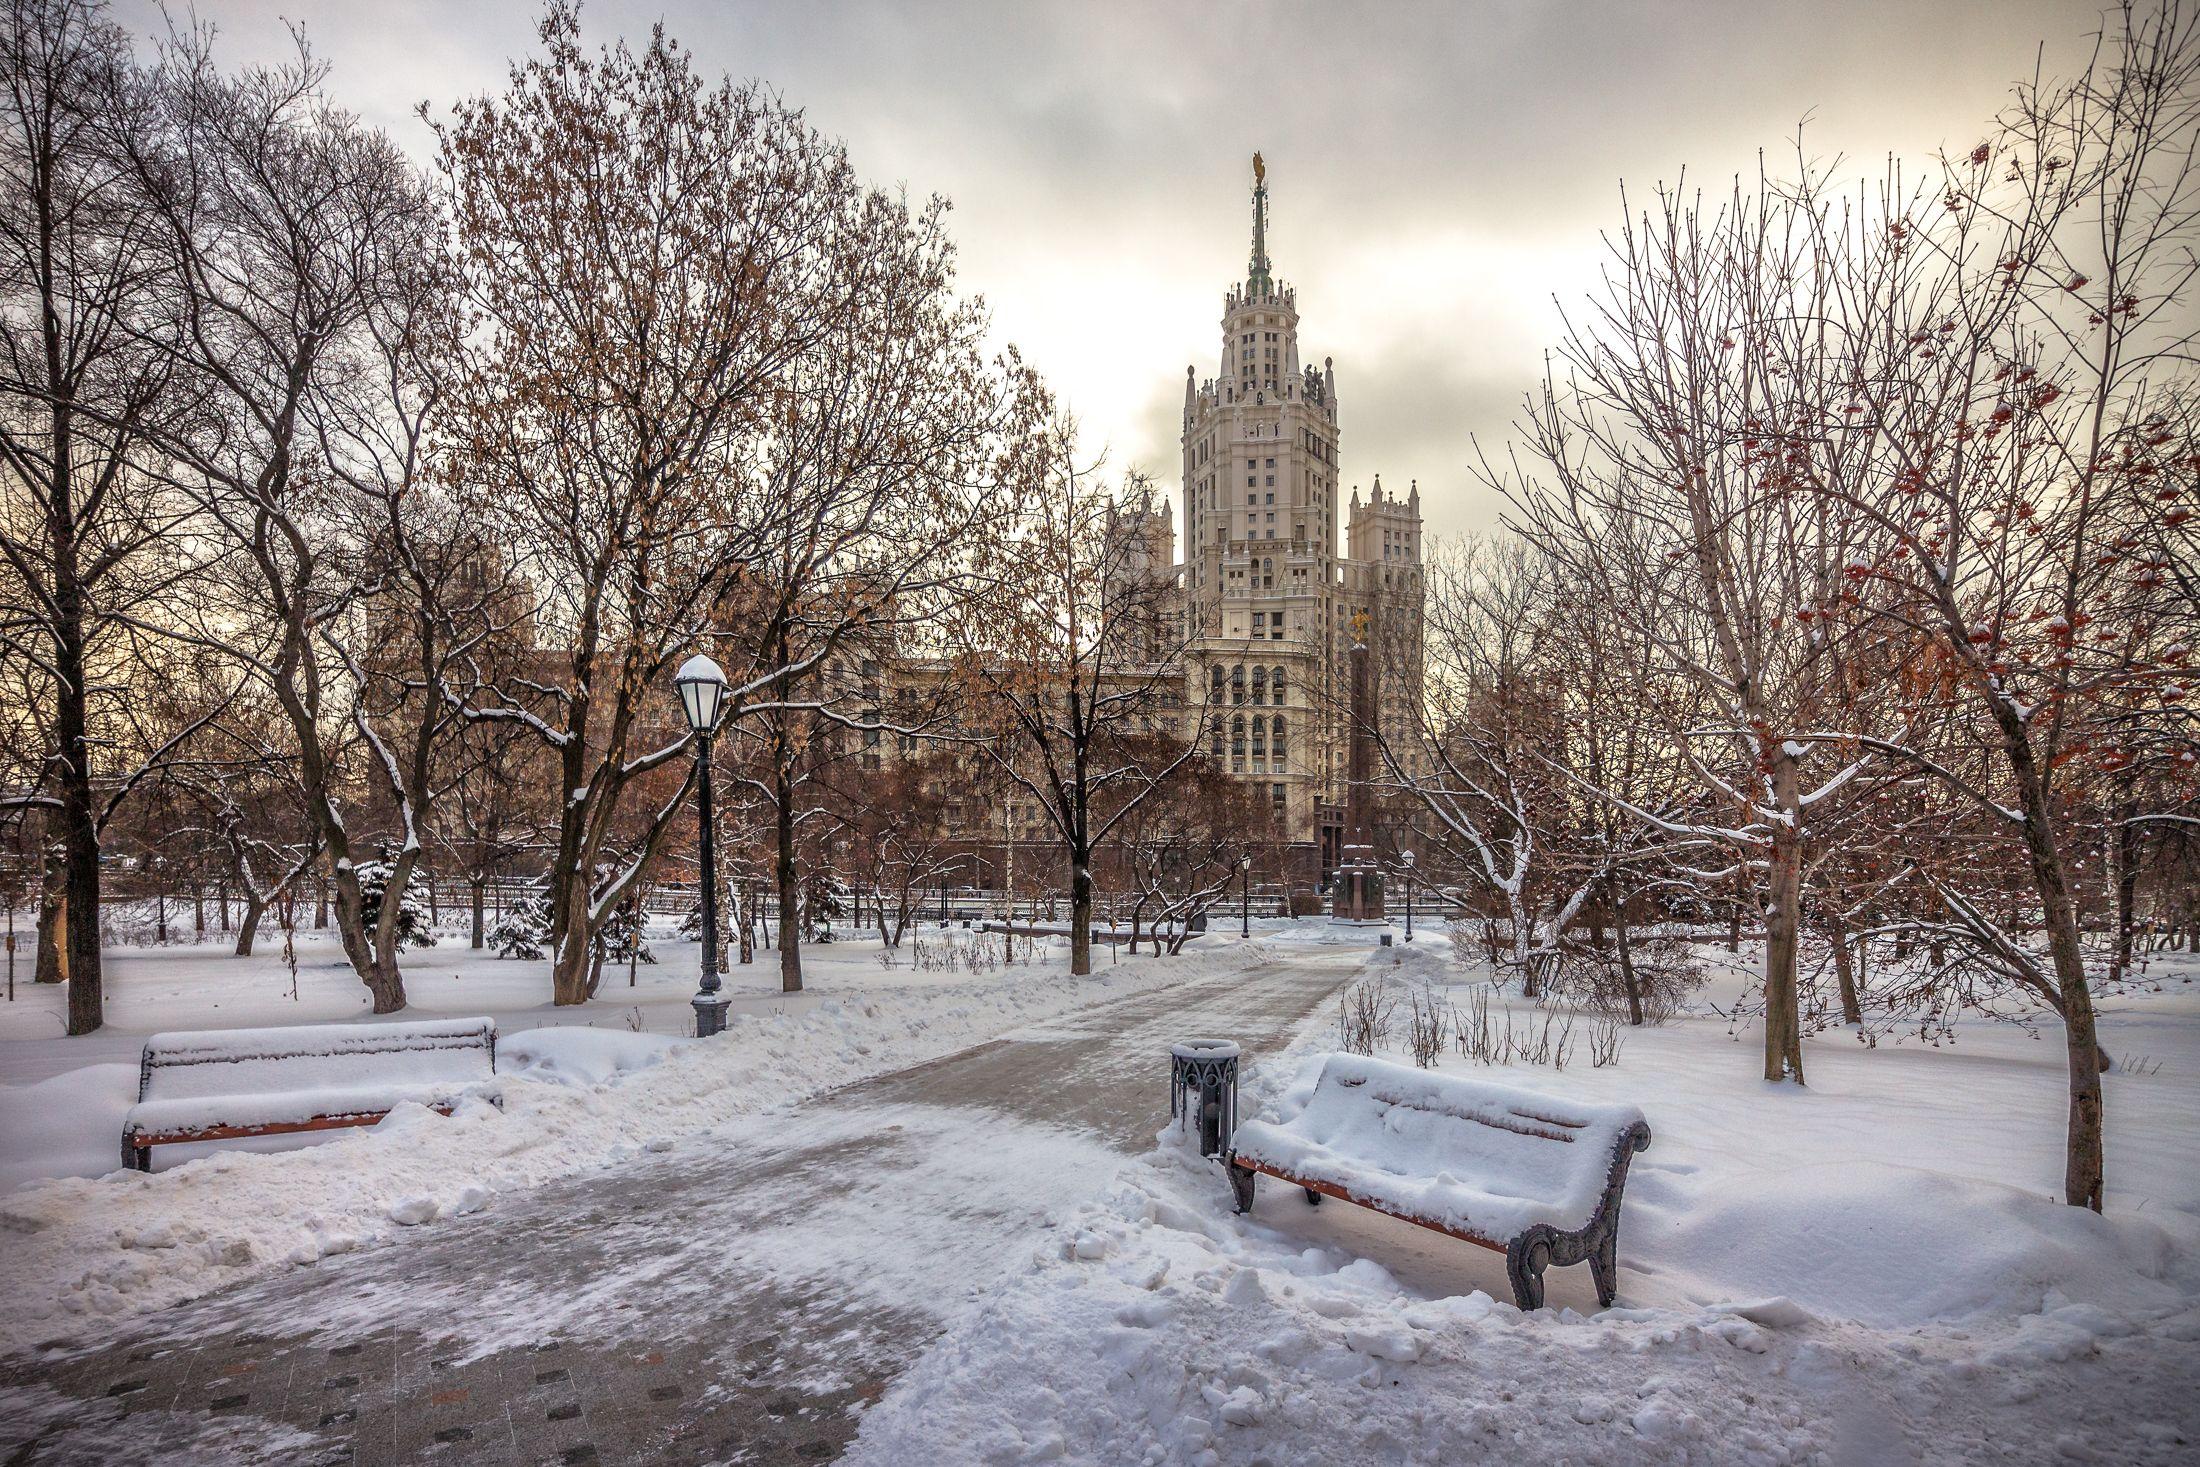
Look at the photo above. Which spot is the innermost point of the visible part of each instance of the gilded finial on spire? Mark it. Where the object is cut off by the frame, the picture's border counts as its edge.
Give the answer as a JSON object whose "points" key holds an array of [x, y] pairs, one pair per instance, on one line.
{"points": [[1257, 272]]}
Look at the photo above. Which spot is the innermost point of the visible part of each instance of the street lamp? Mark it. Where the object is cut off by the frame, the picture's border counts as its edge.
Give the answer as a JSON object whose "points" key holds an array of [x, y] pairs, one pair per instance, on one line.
{"points": [[1245, 898], [160, 897], [703, 695], [1407, 858]]}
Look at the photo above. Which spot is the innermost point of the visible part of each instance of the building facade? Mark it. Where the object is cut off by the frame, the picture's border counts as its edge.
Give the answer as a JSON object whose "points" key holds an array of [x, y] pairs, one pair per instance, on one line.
{"points": [[1275, 603], [1252, 602]]}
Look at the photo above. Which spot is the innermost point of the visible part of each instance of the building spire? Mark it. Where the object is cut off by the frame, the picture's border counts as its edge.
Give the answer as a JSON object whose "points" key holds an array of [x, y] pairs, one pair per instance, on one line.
{"points": [[1257, 273]]}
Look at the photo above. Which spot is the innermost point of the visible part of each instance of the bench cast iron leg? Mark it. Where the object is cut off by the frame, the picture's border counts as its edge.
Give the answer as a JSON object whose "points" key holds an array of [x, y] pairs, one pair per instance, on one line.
{"points": [[1241, 1185], [1313, 1198], [1525, 1259], [1604, 1265]]}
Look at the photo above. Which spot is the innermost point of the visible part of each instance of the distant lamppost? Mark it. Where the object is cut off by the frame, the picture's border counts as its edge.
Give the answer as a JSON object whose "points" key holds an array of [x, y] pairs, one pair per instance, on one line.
{"points": [[160, 897], [1407, 858], [1245, 897], [703, 695]]}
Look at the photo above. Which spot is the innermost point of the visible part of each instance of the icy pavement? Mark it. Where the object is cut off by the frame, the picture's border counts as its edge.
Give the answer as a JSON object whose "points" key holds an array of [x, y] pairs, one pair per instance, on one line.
{"points": [[740, 1297]]}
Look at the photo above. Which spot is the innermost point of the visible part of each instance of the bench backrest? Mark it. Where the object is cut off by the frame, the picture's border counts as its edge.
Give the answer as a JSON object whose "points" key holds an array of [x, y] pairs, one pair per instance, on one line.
{"points": [[190, 1065], [1551, 1154]]}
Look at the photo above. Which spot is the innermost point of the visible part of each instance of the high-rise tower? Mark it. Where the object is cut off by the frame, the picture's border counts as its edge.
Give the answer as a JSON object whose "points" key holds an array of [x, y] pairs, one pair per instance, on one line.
{"points": [[1262, 576]]}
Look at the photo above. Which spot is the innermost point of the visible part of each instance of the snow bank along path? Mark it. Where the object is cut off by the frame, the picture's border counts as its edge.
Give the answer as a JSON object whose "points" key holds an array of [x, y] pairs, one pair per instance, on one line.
{"points": [[80, 1255], [1843, 1311]]}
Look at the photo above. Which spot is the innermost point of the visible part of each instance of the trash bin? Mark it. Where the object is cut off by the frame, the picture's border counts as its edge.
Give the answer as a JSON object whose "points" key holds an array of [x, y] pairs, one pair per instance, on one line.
{"points": [[1203, 1080]]}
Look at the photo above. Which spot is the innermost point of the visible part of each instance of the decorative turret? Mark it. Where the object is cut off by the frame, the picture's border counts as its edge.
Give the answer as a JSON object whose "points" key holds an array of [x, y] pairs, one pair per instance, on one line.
{"points": [[1386, 530]]}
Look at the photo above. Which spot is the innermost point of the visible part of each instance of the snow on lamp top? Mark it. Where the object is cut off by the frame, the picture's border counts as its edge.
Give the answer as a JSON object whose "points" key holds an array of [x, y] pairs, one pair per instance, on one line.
{"points": [[702, 688]]}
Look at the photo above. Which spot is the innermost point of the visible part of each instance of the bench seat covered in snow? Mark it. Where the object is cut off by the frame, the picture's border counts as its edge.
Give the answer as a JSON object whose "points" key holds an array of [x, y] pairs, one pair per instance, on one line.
{"points": [[218, 1085], [1535, 1177]]}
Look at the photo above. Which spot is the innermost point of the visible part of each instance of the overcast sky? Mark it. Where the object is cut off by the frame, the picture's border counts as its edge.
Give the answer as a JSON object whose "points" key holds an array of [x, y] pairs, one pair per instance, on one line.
{"points": [[1437, 173]]}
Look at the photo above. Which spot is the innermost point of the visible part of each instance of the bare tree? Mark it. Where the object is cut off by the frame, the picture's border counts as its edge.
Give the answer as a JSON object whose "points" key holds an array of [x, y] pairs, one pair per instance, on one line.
{"points": [[307, 305], [645, 257], [1182, 853], [1662, 490], [1071, 652], [86, 529], [2004, 347], [724, 398]]}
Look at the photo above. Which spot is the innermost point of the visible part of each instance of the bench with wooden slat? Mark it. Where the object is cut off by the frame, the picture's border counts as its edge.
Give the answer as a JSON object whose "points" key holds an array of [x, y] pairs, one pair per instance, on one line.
{"points": [[1535, 1177], [223, 1085]]}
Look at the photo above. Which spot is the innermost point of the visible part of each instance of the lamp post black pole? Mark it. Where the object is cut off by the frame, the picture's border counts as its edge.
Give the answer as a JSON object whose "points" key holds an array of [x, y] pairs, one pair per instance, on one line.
{"points": [[1409, 896], [1245, 900], [710, 1004]]}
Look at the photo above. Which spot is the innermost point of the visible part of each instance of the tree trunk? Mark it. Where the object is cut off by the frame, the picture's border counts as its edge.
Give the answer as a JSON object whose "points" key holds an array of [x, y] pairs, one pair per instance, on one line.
{"points": [[376, 968], [52, 965], [478, 885], [790, 951], [1080, 910], [572, 964], [80, 937], [1844, 968], [249, 928], [1627, 977], [2123, 846], [1523, 931], [1783, 927], [72, 760], [2084, 1182]]}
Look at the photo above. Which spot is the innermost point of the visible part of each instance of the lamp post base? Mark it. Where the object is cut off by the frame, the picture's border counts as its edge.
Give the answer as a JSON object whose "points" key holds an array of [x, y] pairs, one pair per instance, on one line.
{"points": [[710, 1013]]}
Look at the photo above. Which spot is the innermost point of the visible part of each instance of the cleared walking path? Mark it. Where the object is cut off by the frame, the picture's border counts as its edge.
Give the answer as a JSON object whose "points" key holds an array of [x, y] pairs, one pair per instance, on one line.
{"points": [[740, 1298]]}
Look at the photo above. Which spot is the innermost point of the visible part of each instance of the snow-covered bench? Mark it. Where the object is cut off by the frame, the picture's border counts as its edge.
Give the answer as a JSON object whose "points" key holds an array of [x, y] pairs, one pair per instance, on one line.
{"points": [[1535, 1177], [219, 1085]]}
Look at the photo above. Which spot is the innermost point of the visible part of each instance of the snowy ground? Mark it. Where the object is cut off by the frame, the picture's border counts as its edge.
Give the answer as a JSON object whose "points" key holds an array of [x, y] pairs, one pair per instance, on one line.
{"points": [[583, 1087], [742, 1294], [62, 1099], [1871, 1270], [203, 985]]}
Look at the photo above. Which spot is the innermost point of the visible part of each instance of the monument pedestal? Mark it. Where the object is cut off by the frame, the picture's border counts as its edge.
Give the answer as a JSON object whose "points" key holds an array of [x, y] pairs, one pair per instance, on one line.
{"points": [[1356, 891]]}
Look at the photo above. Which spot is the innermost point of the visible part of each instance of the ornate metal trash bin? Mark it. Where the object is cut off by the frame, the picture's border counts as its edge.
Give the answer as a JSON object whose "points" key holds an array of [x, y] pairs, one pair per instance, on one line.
{"points": [[1203, 1082]]}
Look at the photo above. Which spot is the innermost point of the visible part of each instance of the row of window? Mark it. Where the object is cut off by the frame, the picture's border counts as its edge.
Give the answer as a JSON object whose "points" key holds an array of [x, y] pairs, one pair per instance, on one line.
{"points": [[1268, 684], [1271, 752]]}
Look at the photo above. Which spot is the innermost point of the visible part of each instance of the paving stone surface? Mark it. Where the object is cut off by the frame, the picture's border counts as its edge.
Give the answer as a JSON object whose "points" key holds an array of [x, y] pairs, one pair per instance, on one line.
{"points": [[739, 1299]]}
